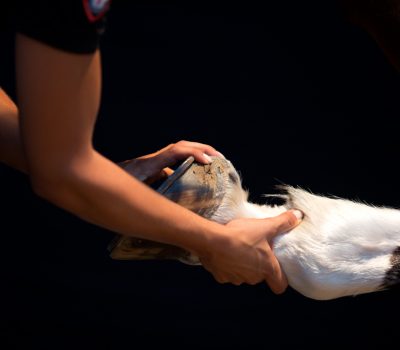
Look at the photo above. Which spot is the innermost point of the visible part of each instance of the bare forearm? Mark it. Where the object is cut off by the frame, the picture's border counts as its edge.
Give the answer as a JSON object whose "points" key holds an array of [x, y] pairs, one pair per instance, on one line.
{"points": [[64, 168], [100, 192], [11, 151]]}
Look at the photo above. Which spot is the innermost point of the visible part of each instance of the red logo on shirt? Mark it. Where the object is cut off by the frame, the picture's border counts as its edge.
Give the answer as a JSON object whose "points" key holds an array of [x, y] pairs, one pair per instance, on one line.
{"points": [[95, 9]]}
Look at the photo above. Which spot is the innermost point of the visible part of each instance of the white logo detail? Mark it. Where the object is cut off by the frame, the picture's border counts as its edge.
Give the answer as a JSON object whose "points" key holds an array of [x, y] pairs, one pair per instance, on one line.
{"points": [[97, 6]]}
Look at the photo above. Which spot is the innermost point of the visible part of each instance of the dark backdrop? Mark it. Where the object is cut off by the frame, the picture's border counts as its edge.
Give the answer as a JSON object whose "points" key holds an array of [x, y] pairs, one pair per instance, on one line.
{"points": [[289, 92]]}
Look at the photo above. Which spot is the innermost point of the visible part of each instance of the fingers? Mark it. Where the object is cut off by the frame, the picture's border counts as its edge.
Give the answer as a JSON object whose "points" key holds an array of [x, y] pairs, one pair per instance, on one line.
{"points": [[153, 167], [180, 152], [163, 174], [223, 280], [236, 280], [207, 149], [276, 278], [168, 171], [224, 277], [284, 222], [197, 153], [184, 149]]}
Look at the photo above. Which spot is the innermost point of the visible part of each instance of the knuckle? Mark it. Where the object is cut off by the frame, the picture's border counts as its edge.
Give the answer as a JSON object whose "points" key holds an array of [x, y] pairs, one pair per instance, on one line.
{"points": [[176, 150], [279, 289], [169, 149], [274, 229], [197, 152], [285, 222], [290, 219], [253, 282], [220, 279]]}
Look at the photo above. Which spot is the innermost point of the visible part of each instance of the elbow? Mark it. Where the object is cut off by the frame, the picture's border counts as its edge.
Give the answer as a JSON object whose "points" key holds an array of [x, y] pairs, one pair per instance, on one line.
{"points": [[59, 179], [63, 183], [56, 187], [45, 186]]}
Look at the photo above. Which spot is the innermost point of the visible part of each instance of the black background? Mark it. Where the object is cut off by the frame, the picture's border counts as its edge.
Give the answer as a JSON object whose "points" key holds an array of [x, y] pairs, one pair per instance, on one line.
{"points": [[289, 92]]}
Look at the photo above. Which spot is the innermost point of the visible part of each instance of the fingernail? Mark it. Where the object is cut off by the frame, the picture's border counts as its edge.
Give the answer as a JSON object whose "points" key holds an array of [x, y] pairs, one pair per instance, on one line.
{"points": [[299, 214], [221, 155], [208, 158]]}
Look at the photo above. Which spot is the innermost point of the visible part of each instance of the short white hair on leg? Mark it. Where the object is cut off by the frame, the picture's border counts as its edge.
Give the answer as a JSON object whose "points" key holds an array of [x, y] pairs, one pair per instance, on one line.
{"points": [[341, 247]]}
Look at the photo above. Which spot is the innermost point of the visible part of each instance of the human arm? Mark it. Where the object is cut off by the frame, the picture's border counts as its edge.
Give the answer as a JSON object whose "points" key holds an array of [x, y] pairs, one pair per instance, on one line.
{"points": [[11, 151], [59, 96], [148, 168], [155, 166]]}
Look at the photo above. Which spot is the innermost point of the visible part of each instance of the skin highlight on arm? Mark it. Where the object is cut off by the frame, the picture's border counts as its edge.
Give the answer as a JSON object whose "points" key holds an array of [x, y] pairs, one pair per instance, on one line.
{"points": [[57, 122], [58, 98], [11, 152]]}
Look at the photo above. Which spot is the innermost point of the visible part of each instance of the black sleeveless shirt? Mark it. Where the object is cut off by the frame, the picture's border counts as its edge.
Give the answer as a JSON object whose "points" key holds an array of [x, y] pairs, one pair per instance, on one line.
{"points": [[70, 25]]}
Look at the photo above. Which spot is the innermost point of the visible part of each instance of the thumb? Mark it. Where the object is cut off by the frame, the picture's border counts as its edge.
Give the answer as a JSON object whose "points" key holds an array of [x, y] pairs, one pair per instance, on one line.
{"points": [[285, 222]]}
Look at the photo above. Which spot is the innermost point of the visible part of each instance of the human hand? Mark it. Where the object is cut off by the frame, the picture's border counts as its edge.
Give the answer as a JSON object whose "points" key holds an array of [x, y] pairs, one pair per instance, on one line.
{"points": [[245, 253], [155, 166]]}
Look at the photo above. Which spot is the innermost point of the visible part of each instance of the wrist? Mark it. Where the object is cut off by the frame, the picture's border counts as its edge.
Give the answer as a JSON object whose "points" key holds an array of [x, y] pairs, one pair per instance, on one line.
{"points": [[211, 240]]}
